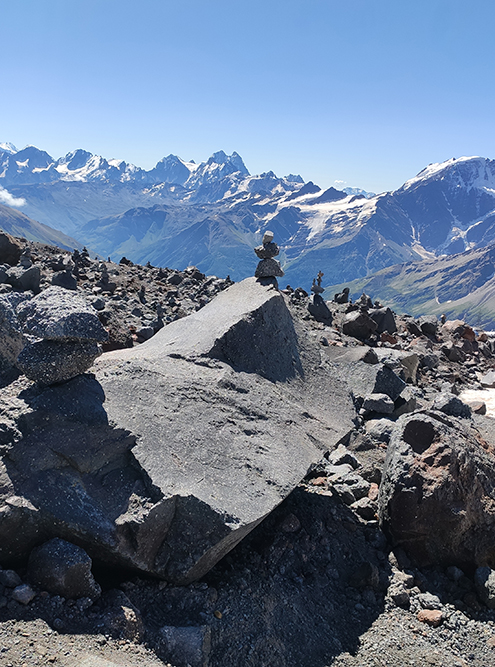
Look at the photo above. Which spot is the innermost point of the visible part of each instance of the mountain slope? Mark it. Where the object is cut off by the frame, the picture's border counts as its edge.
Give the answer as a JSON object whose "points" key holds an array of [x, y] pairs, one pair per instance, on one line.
{"points": [[460, 286], [17, 224]]}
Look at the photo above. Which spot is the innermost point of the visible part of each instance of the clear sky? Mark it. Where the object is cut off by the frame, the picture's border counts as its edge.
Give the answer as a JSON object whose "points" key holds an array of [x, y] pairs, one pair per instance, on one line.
{"points": [[344, 92]]}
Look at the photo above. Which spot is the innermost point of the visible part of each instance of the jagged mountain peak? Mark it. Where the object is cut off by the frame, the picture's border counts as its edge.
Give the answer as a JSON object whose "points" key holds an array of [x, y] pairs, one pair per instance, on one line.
{"points": [[294, 178], [234, 161], [7, 147], [76, 159]]}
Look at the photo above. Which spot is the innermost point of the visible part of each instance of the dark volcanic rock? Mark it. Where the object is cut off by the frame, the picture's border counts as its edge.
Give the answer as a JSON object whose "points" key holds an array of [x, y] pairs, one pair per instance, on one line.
{"points": [[451, 405], [11, 340], [58, 314], [319, 310], [62, 568], [358, 325], [438, 491], [49, 361], [10, 249], [24, 279], [64, 279], [385, 320]]}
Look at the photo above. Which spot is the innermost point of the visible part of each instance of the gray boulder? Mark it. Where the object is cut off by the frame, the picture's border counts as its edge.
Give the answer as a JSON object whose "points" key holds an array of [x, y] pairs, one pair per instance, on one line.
{"points": [[64, 569], [358, 325], [59, 314], [365, 379], [437, 492], [428, 324], [453, 352], [206, 428], [50, 361], [25, 279], [319, 309], [385, 320], [451, 405], [64, 279], [380, 403], [404, 364], [11, 340], [10, 249]]}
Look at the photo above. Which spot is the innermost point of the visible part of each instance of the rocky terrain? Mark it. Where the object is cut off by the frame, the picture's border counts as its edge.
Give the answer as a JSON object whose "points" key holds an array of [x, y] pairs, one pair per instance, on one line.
{"points": [[310, 486], [458, 286]]}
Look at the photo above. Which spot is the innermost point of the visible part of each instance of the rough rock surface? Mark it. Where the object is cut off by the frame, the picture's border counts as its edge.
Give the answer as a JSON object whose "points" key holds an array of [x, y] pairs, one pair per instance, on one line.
{"points": [[59, 314], [438, 491], [62, 568], [50, 361], [10, 249], [238, 456], [358, 325]]}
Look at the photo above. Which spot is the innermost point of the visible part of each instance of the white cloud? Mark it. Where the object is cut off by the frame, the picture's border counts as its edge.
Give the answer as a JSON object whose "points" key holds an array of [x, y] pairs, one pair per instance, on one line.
{"points": [[339, 182], [9, 200]]}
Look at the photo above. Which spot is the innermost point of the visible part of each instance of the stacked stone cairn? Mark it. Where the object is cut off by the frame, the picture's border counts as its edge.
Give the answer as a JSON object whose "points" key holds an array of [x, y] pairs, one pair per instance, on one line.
{"points": [[268, 267], [61, 335], [317, 306]]}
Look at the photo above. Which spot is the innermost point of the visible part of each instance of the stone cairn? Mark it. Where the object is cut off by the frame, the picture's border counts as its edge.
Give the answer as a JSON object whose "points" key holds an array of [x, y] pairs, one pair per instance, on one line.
{"points": [[317, 306], [268, 267]]}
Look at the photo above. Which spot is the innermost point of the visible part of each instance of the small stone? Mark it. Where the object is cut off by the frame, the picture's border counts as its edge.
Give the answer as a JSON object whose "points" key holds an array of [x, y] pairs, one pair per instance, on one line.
{"points": [[341, 456], [478, 407], [373, 492], [64, 279], [451, 405], [488, 380], [23, 594], [290, 524], [358, 325], [63, 569], [10, 578], [380, 403], [342, 297], [217, 614], [429, 601], [344, 493], [365, 508], [428, 324], [432, 617], [398, 593]]}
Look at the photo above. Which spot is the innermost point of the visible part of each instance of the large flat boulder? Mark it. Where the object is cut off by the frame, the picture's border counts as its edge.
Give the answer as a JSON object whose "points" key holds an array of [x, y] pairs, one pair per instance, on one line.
{"points": [[178, 447]]}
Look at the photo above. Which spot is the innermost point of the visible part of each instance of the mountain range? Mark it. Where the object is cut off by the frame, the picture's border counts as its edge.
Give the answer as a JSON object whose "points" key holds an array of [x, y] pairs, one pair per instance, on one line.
{"points": [[212, 214]]}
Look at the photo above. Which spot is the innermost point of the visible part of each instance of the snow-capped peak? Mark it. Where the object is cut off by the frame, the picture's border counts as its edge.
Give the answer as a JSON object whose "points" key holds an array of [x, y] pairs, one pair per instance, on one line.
{"points": [[473, 170], [7, 147]]}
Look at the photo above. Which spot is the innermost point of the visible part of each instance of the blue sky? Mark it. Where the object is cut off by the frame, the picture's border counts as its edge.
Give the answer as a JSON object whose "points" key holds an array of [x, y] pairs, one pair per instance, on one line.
{"points": [[363, 92]]}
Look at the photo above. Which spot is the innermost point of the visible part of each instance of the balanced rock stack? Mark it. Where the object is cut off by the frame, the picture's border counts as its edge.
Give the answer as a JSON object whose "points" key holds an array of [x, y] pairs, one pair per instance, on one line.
{"points": [[317, 306], [62, 334], [268, 267]]}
